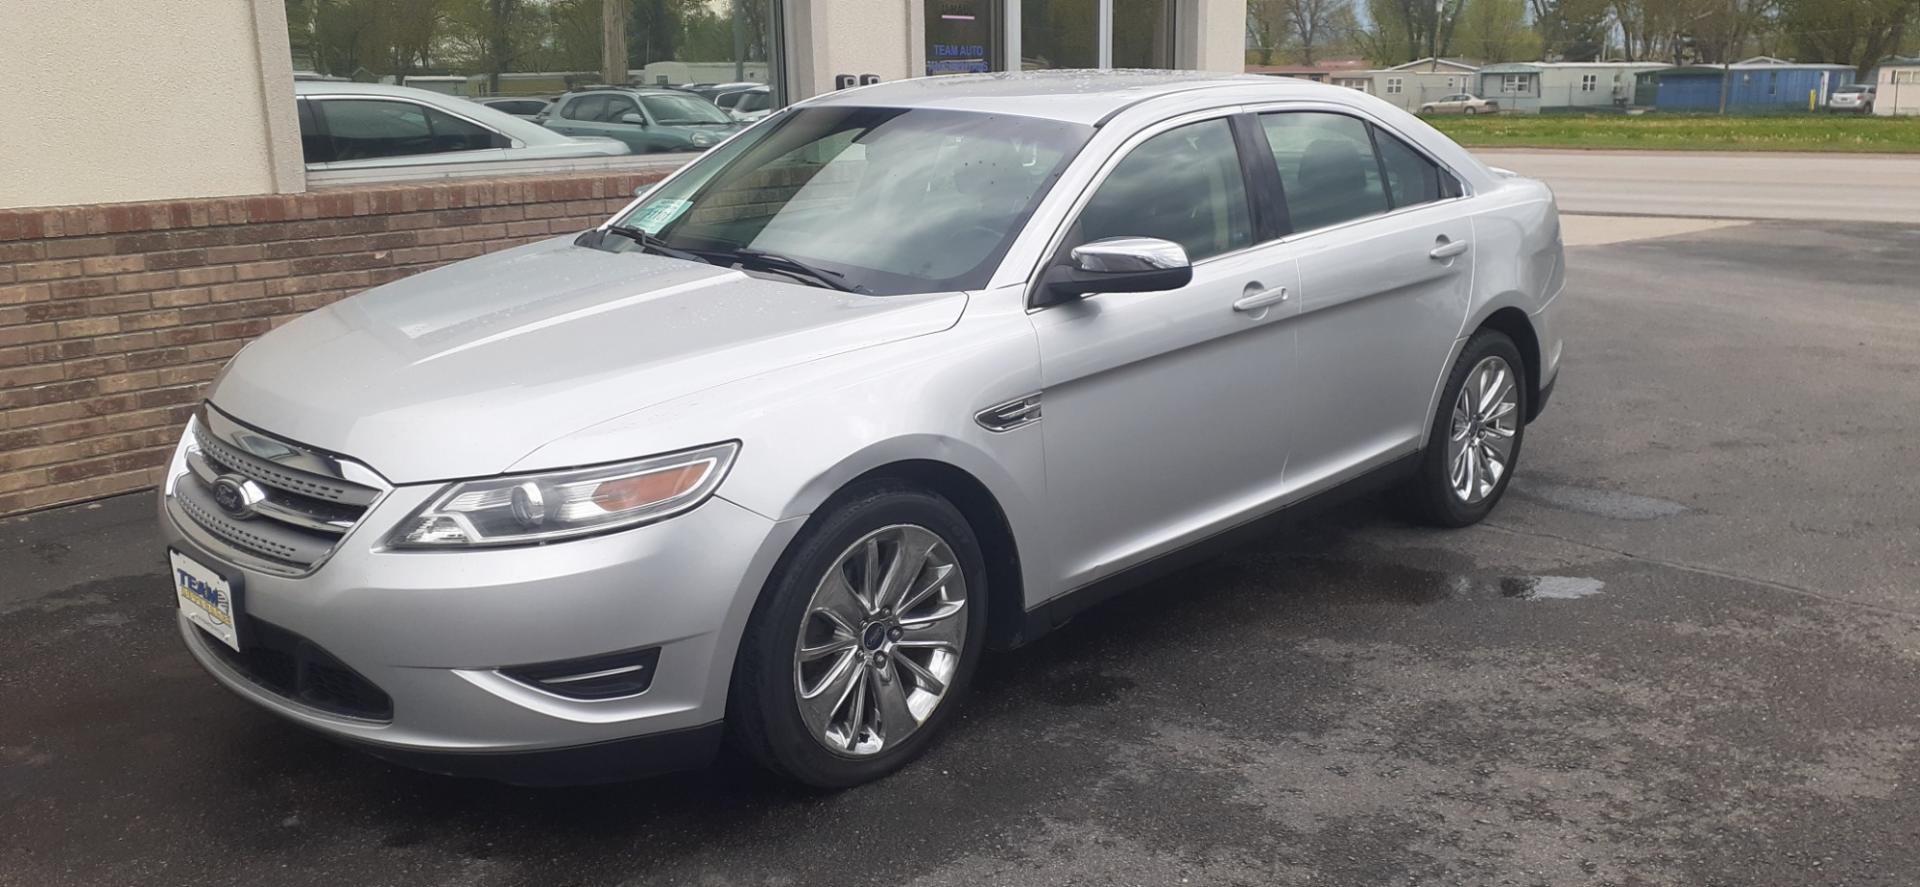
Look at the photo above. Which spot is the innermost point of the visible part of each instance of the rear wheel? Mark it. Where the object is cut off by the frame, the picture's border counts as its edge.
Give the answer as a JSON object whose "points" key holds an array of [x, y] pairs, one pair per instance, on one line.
{"points": [[1471, 111], [1474, 444], [866, 638]]}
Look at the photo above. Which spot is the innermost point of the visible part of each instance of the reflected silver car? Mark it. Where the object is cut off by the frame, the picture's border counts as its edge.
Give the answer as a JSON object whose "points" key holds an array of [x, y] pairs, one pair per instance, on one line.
{"points": [[348, 126], [898, 375]]}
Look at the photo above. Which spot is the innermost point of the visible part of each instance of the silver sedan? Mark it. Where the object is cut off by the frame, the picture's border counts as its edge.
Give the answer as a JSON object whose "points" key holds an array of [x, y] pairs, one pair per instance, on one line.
{"points": [[897, 375]]}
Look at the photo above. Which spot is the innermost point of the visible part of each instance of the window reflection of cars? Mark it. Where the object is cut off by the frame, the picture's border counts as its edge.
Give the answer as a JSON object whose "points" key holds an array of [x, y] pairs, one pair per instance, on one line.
{"points": [[356, 125], [647, 120], [746, 105]]}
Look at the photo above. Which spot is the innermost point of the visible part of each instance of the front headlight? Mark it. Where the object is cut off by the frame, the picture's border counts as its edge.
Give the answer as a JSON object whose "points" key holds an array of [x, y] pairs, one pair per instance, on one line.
{"points": [[534, 508], [701, 139]]}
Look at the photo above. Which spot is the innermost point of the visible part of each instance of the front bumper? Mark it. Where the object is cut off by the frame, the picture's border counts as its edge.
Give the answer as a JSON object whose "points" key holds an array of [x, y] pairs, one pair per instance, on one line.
{"points": [[434, 630]]}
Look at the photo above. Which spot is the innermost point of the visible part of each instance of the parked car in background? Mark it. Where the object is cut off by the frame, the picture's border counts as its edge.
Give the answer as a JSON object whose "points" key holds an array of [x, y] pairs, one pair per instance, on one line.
{"points": [[1855, 98], [357, 125], [764, 454], [523, 107], [648, 120], [746, 105], [1461, 103]]}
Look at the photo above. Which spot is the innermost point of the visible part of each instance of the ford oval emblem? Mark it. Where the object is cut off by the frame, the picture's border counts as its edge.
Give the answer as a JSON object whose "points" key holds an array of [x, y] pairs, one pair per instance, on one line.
{"points": [[234, 496]]}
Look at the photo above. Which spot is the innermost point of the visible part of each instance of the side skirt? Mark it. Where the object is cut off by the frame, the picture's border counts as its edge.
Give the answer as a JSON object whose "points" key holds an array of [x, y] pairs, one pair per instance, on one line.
{"points": [[1060, 610]]}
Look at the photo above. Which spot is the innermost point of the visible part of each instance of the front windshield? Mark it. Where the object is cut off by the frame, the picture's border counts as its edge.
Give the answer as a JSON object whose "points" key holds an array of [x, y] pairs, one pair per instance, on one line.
{"points": [[682, 110], [892, 200]]}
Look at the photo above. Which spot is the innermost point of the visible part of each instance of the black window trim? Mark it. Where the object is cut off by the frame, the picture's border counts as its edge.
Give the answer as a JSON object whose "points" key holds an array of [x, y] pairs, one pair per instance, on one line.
{"points": [[1064, 234], [1466, 192]]}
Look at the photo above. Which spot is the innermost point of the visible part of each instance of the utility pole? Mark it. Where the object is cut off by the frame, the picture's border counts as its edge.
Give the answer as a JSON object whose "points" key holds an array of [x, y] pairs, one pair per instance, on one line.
{"points": [[739, 41], [613, 42], [1726, 55]]}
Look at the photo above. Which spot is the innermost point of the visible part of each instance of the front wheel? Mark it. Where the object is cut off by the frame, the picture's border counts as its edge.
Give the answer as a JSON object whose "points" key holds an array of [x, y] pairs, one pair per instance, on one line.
{"points": [[1474, 444], [864, 641]]}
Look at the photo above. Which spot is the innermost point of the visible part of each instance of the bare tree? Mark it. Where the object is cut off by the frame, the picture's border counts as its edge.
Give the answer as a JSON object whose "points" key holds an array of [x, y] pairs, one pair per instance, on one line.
{"points": [[1316, 23]]}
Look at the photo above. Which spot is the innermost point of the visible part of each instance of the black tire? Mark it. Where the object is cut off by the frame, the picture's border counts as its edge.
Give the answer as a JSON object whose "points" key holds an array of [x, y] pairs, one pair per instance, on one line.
{"points": [[1426, 109], [1470, 111], [763, 715], [1428, 496]]}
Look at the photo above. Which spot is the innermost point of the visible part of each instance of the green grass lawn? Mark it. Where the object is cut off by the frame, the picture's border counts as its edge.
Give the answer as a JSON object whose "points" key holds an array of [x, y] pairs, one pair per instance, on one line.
{"points": [[1687, 132]]}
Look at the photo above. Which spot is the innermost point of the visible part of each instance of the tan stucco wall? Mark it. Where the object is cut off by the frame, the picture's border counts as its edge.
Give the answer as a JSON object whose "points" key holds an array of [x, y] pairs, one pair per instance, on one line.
{"points": [[1220, 34], [145, 101], [832, 37]]}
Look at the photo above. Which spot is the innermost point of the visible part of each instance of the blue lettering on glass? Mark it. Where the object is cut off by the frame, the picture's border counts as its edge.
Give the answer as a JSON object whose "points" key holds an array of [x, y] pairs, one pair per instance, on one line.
{"points": [[950, 50]]}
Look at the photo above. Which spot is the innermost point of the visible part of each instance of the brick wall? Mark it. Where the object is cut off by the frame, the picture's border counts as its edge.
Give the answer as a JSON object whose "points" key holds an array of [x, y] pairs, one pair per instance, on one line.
{"points": [[113, 318]]}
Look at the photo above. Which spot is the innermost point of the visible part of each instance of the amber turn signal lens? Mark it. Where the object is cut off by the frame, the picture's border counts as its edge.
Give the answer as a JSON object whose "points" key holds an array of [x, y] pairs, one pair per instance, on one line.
{"points": [[646, 489]]}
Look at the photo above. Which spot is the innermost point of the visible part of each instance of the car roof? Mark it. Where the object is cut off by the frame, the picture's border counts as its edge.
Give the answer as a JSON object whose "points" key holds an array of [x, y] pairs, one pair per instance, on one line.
{"points": [[1074, 96], [526, 131]]}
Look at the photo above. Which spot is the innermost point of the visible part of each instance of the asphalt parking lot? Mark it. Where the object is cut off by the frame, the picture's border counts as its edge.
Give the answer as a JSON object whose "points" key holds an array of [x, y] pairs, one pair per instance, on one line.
{"points": [[1686, 650]]}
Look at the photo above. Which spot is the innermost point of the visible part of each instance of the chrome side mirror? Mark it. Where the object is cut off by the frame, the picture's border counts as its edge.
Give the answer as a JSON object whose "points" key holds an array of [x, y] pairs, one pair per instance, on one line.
{"points": [[1119, 265]]}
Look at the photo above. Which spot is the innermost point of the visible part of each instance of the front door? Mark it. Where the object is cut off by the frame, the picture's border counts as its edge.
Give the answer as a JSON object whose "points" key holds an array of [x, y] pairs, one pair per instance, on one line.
{"points": [[1162, 411], [1386, 270]]}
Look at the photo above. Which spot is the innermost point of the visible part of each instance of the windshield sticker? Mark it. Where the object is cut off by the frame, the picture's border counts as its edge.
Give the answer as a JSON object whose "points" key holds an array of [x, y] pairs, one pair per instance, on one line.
{"points": [[658, 214]]}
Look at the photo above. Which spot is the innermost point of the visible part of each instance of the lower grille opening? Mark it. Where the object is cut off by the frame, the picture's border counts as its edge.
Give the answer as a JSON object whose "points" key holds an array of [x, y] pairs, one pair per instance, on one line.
{"points": [[608, 676], [292, 666]]}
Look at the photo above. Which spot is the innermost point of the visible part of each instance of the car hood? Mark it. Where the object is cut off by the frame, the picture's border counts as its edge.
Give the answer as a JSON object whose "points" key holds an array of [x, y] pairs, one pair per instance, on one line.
{"points": [[464, 370]]}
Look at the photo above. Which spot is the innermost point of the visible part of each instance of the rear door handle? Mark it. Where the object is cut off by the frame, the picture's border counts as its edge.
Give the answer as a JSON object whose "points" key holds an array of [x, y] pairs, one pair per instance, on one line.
{"points": [[1259, 298], [1447, 249]]}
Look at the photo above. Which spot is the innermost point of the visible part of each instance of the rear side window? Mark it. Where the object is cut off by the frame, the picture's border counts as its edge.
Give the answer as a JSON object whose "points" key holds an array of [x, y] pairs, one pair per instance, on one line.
{"points": [[1327, 167], [361, 129], [526, 106], [1411, 178], [586, 107], [1183, 185]]}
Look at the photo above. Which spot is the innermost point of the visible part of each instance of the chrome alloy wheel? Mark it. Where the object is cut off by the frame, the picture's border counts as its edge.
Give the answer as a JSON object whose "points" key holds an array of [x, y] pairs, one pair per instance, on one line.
{"points": [[1486, 416], [880, 641]]}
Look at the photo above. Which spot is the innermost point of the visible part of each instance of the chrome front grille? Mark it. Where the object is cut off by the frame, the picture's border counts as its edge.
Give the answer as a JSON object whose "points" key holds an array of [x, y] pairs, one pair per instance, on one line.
{"points": [[265, 502]]}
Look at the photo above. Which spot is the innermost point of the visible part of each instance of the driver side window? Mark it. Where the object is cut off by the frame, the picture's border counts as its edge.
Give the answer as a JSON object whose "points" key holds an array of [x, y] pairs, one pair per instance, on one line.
{"points": [[1184, 185]]}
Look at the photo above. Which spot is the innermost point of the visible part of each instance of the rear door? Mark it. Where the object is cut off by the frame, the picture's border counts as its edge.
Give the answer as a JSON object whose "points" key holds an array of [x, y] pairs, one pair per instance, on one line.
{"points": [[1385, 245], [579, 115], [1163, 411]]}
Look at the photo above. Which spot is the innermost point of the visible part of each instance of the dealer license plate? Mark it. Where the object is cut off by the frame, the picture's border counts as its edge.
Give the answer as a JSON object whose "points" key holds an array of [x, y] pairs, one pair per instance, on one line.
{"points": [[207, 598]]}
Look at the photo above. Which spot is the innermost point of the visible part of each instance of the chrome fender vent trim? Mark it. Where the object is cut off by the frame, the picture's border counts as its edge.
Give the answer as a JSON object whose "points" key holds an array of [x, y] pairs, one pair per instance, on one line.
{"points": [[1010, 415]]}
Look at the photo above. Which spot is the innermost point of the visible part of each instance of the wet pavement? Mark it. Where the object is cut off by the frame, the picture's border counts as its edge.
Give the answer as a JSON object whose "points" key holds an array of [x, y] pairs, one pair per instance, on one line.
{"points": [[1686, 650]]}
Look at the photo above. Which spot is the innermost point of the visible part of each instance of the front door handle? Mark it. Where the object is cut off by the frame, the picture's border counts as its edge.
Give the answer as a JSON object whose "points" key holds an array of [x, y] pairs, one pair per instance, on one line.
{"points": [[1257, 298], [1447, 249]]}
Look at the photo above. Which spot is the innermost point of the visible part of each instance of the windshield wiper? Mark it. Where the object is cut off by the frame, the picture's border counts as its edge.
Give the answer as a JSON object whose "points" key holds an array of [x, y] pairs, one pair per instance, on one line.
{"points": [[789, 265], [653, 244]]}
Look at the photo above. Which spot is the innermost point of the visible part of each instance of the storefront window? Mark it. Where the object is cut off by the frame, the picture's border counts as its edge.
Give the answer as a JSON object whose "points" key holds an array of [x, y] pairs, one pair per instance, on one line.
{"points": [[1143, 33], [963, 36], [1059, 34], [539, 49]]}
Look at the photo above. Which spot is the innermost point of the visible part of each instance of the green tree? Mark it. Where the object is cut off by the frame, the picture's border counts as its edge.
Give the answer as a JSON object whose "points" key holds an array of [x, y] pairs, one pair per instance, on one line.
{"points": [[1497, 31], [1848, 32]]}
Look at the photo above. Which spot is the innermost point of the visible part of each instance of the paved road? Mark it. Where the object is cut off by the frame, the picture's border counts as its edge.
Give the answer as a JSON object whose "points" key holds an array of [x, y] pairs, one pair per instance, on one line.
{"points": [[1843, 187], [1686, 651]]}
